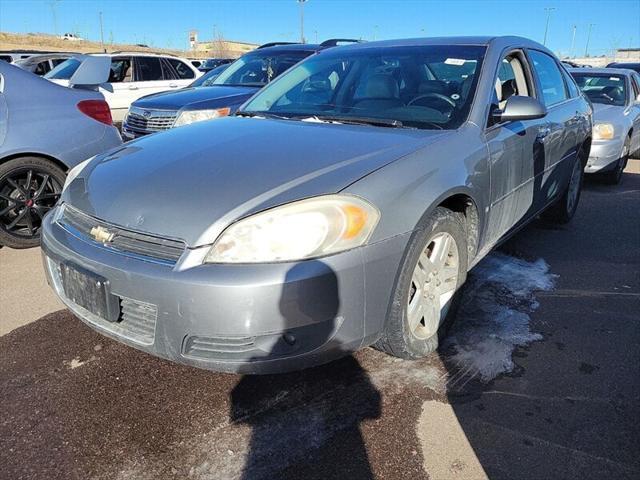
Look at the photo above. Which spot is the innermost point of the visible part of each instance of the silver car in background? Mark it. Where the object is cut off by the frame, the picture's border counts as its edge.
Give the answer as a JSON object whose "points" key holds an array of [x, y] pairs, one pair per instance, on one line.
{"points": [[341, 207], [615, 95], [45, 130]]}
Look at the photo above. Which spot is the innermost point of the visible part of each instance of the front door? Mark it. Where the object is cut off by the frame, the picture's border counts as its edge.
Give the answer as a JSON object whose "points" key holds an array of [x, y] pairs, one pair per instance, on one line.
{"points": [[514, 149]]}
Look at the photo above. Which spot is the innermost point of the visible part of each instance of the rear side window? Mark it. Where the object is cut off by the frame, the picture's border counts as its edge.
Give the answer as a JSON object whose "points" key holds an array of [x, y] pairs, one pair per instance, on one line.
{"points": [[149, 69], [551, 80], [571, 85], [121, 70], [183, 71], [635, 83], [6, 58]]}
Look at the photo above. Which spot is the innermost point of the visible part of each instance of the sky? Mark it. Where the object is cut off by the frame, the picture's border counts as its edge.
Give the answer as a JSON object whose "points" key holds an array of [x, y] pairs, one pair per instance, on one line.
{"points": [[165, 23]]}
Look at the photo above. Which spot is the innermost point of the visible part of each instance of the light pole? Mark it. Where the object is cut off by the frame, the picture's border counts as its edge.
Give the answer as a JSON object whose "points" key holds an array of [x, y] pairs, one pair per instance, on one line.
{"points": [[52, 3], [302, 2], [573, 41], [546, 28], [586, 48], [102, 34]]}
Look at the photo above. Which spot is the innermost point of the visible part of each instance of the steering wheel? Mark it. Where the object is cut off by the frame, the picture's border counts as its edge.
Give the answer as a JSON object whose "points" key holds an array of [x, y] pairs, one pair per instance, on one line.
{"points": [[435, 96]]}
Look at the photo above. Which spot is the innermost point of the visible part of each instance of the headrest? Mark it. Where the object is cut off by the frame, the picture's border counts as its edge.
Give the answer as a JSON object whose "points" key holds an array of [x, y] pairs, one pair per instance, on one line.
{"points": [[381, 86]]}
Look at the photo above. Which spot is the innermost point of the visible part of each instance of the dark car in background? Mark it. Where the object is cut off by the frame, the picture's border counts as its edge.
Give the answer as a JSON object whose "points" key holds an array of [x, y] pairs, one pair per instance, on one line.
{"points": [[628, 65], [211, 63], [221, 97]]}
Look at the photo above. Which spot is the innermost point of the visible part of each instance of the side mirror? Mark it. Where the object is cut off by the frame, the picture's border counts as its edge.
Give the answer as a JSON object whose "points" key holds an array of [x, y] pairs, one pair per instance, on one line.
{"points": [[520, 108]]}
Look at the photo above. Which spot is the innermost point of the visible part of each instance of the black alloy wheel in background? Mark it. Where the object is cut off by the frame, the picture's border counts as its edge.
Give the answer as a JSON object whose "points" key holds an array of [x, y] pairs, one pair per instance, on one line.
{"points": [[29, 188]]}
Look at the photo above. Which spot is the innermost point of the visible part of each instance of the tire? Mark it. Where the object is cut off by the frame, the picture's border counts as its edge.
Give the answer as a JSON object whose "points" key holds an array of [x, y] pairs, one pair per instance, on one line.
{"points": [[563, 210], [613, 177], [398, 337], [22, 206]]}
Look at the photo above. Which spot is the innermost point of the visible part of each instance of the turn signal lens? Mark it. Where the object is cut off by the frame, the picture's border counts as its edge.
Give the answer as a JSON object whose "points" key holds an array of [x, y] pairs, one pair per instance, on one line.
{"points": [[300, 230], [603, 131]]}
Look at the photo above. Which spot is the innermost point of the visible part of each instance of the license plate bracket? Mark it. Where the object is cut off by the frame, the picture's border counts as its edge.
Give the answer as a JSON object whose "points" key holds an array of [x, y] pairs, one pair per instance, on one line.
{"points": [[90, 291]]}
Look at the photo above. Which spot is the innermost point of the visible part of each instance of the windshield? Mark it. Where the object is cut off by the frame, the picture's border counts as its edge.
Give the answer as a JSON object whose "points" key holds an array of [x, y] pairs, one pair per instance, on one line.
{"points": [[207, 79], [603, 88], [65, 70], [412, 86], [259, 68]]}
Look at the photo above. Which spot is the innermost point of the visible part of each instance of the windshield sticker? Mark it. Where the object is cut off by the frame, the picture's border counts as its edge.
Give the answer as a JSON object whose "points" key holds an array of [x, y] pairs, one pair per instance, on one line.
{"points": [[615, 79], [455, 61]]}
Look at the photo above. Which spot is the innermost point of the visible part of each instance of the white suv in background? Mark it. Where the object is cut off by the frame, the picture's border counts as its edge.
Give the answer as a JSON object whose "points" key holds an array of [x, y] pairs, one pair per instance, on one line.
{"points": [[133, 75]]}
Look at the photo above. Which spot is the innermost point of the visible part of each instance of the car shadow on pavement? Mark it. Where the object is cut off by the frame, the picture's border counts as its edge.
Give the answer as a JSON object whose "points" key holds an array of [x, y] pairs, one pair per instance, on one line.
{"points": [[302, 419]]}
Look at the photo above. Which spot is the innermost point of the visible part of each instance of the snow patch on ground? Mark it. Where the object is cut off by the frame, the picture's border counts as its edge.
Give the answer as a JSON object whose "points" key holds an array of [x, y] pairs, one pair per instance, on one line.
{"points": [[494, 315]]}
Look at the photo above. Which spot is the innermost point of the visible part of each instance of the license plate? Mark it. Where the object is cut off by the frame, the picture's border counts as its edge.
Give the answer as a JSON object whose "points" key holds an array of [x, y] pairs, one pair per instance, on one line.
{"points": [[90, 291]]}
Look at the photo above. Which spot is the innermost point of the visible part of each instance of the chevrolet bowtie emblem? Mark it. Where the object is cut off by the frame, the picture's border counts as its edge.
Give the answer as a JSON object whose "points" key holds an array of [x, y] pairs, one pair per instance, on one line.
{"points": [[101, 234]]}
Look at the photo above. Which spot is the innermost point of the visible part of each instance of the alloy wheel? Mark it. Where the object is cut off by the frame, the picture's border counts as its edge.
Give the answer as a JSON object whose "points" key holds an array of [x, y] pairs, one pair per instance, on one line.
{"points": [[26, 195], [433, 285]]}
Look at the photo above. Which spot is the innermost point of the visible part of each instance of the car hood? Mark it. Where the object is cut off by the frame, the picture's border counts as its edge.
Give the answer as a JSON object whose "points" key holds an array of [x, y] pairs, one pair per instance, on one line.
{"points": [[607, 113], [192, 182], [195, 98]]}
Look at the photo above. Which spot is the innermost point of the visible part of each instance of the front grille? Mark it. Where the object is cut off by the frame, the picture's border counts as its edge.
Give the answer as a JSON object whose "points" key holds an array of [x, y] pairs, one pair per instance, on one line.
{"points": [[148, 121], [120, 239], [137, 320]]}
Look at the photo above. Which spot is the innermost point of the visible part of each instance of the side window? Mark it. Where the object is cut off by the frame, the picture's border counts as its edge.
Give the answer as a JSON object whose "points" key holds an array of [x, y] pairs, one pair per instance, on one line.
{"points": [[571, 85], [121, 70], [635, 84], [184, 72], [511, 80], [148, 69], [551, 80]]}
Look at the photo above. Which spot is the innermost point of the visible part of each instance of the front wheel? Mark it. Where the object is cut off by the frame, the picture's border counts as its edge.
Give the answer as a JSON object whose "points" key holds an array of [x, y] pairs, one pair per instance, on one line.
{"points": [[614, 176], [565, 208], [425, 296], [29, 188]]}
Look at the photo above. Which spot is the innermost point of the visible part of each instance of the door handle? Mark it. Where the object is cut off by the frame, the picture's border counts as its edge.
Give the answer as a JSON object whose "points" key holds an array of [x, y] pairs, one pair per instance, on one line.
{"points": [[133, 87], [173, 85]]}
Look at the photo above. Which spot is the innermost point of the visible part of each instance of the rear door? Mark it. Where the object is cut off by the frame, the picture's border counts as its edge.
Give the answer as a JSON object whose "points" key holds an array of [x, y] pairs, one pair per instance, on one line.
{"points": [[150, 77], [559, 136]]}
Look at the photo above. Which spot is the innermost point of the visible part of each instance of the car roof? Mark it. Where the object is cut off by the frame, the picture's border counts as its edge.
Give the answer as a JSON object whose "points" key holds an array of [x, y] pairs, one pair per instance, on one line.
{"points": [[602, 71], [291, 47], [483, 40]]}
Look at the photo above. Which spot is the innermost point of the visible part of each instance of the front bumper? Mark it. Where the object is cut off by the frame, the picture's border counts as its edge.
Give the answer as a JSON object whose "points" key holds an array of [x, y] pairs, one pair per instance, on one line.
{"points": [[237, 318], [604, 155]]}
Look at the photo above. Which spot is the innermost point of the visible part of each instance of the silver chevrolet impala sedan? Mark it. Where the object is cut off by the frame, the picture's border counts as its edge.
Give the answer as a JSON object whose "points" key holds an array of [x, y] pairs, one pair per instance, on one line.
{"points": [[615, 95], [341, 207]]}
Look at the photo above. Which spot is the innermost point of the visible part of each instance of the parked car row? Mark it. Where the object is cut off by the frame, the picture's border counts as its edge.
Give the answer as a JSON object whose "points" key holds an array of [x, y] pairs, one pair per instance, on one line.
{"points": [[132, 75], [230, 89]]}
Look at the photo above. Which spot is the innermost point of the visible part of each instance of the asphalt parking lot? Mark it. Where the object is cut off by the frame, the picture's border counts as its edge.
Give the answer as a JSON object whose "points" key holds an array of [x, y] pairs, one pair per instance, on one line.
{"points": [[76, 405]]}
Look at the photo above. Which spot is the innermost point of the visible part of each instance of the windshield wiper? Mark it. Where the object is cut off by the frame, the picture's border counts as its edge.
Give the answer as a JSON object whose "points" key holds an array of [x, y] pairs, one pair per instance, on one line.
{"points": [[377, 122], [242, 113]]}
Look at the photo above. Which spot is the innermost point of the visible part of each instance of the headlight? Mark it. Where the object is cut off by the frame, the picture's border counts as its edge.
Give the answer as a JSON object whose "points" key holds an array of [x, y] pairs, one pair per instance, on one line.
{"points": [[603, 131], [75, 171], [190, 116], [300, 230]]}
